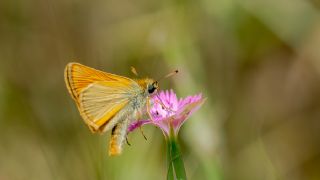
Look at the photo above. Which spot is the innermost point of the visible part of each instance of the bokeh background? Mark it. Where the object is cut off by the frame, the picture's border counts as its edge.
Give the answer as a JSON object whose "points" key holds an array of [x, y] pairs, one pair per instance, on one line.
{"points": [[257, 62]]}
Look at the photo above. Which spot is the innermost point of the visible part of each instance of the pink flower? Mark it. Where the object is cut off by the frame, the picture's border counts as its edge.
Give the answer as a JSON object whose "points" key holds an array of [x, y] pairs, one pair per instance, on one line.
{"points": [[174, 114]]}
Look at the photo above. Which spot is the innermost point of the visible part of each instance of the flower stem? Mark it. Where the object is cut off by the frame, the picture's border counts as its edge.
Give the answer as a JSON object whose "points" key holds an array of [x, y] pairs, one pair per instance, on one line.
{"points": [[170, 174], [176, 168]]}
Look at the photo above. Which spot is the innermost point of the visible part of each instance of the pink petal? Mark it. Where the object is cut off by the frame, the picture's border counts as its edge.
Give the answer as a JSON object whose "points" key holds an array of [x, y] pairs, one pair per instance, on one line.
{"points": [[185, 112], [137, 124], [180, 110]]}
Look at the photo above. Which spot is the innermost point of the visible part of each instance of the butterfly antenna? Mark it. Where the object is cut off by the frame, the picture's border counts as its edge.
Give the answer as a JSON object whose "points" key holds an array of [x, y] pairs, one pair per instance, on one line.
{"points": [[168, 75], [134, 71]]}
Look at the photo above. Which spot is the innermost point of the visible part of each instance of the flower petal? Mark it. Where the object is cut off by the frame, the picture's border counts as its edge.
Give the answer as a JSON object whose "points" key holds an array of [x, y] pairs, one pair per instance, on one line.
{"points": [[173, 114], [185, 112], [137, 124]]}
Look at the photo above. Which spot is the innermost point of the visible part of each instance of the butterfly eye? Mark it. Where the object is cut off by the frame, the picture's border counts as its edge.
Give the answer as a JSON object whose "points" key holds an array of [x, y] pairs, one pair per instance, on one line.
{"points": [[151, 89]]}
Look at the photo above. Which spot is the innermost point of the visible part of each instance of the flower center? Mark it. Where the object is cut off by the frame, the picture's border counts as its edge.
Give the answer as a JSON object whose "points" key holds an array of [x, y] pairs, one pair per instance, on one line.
{"points": [[163, 109]]}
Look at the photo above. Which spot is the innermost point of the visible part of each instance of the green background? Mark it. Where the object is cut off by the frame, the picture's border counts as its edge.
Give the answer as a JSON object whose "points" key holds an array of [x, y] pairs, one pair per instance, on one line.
{"points": [[257, 62]]}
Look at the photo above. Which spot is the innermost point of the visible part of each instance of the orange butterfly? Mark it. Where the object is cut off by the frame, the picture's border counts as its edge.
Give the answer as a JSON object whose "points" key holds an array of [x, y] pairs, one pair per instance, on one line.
{"points": [[107, 101]]}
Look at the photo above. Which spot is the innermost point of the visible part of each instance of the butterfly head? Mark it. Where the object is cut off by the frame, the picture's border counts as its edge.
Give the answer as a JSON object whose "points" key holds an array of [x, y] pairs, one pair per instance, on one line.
{"points": [[152, 87], [149, 85]]}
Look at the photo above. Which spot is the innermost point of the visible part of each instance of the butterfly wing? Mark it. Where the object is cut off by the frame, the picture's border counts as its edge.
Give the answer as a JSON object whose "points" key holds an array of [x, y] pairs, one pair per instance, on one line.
{"points": [[99, 96], [78, 77]]}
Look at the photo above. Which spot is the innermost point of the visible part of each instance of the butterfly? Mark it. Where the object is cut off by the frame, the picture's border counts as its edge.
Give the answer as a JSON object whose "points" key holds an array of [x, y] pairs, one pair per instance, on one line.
{"points": [[109, 102]]}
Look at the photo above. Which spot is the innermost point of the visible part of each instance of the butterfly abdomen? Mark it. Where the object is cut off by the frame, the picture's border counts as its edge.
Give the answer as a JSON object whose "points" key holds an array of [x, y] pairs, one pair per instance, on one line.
{"points": [[118, 135]]}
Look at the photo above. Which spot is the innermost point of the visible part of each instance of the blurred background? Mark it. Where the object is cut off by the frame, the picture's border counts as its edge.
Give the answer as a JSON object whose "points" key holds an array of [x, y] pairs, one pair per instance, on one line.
{"points": [[257, 62]]}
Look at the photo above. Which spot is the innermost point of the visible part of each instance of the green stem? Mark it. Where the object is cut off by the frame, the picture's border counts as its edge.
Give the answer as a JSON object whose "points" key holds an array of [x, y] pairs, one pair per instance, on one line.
{"points": [[170, 174], [175, 162]]}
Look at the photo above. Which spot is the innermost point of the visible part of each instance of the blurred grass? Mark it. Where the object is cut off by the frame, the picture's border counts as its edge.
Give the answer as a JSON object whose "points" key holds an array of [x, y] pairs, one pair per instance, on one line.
{"points": [[258, 62]]}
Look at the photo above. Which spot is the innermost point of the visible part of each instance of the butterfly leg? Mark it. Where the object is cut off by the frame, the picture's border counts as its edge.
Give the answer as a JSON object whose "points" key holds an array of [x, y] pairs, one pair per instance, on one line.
{"points": [[140, 127], [148, 109], [144, 136], [127, 141]]}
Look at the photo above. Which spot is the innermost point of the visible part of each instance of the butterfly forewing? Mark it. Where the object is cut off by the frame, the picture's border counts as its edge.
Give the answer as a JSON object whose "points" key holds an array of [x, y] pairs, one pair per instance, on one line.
{"points": [[78, 77], [99, 95]]}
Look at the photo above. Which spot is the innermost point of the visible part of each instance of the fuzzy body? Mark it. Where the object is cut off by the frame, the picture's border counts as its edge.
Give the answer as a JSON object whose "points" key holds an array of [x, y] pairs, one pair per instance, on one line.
{"points": [[120, 122]]}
